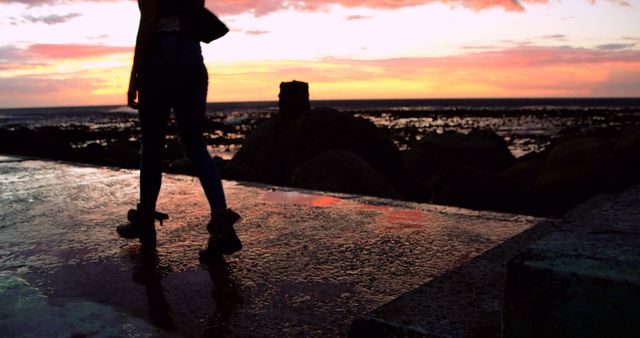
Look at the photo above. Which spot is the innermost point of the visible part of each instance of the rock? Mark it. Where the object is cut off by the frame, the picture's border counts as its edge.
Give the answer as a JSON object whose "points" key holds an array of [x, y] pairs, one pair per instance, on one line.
{"points": [[293, 98], [624, 169], [264, 154], [185, 167], [173, 149], [124, 152], [342, 171], [180, 166], [525, 170], [431, 160], [328, 129], [266, 151], [482, 149], [477, 189], [92, 153], [48, 142], [238, 169], [280, 145], [284, 143], [573, 172]]}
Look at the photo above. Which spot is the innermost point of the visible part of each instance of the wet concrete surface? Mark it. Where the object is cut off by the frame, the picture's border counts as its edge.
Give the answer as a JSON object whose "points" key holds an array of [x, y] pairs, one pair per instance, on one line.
{"points": [[311, 262], [466, 301]]}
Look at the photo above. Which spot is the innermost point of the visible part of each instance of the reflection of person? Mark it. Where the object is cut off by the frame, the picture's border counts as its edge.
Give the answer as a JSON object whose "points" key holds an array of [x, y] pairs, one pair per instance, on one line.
{"points": [[147, 272], [168, 73], [226, 293], [227, 296]]}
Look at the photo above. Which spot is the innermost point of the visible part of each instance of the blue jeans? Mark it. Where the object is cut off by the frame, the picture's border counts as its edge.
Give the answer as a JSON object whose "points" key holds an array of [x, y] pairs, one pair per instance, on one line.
{"points": [[175, 78]]}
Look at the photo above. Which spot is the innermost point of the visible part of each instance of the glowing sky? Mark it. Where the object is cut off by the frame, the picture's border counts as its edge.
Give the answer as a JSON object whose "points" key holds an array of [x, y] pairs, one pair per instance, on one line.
{"points": [[75, 52]]}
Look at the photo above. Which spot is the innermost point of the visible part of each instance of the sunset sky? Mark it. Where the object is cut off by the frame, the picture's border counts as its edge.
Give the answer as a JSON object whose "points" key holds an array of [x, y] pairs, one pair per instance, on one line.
{"points": [[75, 52]]}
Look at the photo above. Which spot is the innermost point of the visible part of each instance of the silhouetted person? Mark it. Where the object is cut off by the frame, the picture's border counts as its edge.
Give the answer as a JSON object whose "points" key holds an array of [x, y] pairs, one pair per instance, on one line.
{"points": [[168, 73]]}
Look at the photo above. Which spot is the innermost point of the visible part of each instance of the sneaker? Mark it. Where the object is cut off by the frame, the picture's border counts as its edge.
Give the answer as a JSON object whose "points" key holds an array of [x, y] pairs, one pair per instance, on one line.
{"points": [[223, 239]]}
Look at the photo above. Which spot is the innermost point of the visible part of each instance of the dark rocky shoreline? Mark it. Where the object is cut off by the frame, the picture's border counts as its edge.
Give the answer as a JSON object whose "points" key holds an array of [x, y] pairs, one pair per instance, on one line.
{"points": [[325, 149]]}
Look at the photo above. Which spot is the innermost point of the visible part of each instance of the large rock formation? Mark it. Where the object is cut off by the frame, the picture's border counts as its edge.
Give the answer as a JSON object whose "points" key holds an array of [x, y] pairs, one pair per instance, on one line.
{"points": [[344, 171], [328, 129], [436, 157], [573, 172], [482, 149], [479, 189], [289, 143], [624, 169], [330, 150]]}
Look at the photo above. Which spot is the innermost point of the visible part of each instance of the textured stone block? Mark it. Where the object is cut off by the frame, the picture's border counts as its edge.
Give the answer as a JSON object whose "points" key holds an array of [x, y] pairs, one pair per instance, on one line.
{"points": [[575, 284]]}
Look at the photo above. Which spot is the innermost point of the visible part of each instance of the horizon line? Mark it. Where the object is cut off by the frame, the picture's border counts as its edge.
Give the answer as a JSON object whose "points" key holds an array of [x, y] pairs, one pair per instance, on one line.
{"points": [[369, 99]]}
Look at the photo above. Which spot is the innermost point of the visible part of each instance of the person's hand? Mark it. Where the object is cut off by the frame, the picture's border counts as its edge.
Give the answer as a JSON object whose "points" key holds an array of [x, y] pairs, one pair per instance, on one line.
{"points": [[132, 93]]}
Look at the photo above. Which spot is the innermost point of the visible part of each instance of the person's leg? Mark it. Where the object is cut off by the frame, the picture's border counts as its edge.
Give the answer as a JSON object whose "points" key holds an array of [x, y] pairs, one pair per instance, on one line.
{"points": [[154, 114], [156, 98], [190, 109], [153, 119]]}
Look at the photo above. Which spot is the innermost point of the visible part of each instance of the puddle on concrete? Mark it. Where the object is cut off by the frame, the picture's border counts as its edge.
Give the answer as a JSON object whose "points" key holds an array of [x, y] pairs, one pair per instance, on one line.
{"points": [[295, 197]]}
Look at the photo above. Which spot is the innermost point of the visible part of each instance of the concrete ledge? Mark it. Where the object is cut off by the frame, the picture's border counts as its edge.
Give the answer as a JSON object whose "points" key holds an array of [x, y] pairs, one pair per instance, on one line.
{"points": [[584, 280], [464, 302], [575, 284]]}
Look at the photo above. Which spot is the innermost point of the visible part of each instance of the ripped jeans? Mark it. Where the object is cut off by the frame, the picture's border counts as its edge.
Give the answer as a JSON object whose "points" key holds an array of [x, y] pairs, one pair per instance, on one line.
{"points": [[175, 78]]}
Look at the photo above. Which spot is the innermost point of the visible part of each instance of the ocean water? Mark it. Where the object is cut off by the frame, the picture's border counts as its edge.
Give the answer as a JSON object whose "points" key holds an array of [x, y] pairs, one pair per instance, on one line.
{"points": [[526, 124]]}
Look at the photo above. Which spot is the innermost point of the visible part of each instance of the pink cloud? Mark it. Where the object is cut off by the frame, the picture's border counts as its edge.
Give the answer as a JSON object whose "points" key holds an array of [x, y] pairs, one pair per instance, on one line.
{"points": [[481, 47], [513, 72], [358, 17], [70, 51], [52, 19], [53, 2], [265, 7], [256, 32], [13, 58], [529, 57], [258, 8], [42, 53]]}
